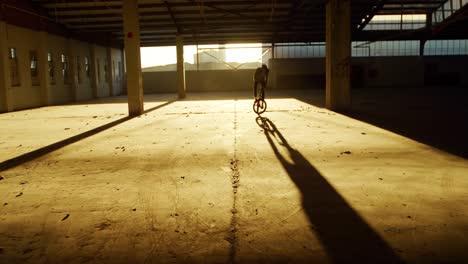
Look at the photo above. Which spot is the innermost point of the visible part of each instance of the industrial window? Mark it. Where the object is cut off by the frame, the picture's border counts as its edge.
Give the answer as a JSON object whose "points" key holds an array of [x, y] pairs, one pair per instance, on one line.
{"points": [[114, 71], [120, 70], [397, 22], [86, 63], [50, 62], [33, 67], [298, 50], [78, 68], [446, 47], [64, 59], [106, 73], [98, 66], [385, 48], [14, 74], [375, 49], [205, 57], [446, 10]]}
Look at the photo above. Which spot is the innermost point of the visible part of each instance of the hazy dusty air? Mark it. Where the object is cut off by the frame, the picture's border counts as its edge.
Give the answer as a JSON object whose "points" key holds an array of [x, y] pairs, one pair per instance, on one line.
{"points": [[272, 131]]}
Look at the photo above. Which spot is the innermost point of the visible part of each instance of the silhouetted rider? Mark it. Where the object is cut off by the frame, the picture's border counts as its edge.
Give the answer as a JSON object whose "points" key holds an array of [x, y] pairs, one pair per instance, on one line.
{"points": [[261, 77]]}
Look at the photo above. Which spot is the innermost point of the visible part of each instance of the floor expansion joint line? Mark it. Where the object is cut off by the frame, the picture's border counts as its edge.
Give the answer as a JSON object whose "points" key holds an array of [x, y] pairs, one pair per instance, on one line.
{"points": [[232, 232]]}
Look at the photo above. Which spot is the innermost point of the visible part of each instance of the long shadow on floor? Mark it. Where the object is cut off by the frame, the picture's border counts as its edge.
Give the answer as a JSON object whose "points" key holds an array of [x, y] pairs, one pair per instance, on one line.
{"points": [[346, 237], [16, 161]]}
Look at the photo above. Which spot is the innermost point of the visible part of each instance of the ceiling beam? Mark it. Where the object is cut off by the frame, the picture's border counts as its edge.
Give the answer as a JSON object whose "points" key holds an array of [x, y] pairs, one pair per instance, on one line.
{"points": [[375, 9], [168, 6]]}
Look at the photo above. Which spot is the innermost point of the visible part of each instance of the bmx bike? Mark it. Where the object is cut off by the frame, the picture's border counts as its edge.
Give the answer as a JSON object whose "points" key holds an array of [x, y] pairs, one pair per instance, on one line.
{"points": [[259, 105]]}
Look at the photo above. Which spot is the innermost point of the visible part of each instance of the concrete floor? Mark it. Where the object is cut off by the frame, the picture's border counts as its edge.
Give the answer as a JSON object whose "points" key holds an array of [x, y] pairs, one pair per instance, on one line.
{"points": [[206, 180]]}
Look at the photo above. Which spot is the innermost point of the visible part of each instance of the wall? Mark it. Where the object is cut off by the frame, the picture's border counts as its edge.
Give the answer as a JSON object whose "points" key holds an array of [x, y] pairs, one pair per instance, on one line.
{"points": [[60, 91], [83, 89], [25, 95], [297, 73], [219, 80], [101, 63], [117, 76], [446, 70], [199, 81], [367, 72], [160, 82], [372, 72], [28, 95]]}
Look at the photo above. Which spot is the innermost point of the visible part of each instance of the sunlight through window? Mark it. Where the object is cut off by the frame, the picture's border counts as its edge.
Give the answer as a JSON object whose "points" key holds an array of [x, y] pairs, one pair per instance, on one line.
{"points": [[228, 56]]}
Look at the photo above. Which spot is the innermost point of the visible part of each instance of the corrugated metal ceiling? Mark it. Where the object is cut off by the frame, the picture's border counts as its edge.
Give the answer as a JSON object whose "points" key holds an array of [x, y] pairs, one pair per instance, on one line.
{"points": [[216, 21]]}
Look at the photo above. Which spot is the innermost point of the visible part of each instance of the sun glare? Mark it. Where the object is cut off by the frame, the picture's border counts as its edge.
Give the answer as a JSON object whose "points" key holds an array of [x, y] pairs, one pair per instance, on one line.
{"points": [[241, 53]]}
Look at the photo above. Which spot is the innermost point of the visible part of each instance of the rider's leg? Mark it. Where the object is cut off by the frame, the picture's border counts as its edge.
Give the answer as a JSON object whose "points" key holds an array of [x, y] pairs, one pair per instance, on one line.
{"points": [[263, 90], [255, 89]]}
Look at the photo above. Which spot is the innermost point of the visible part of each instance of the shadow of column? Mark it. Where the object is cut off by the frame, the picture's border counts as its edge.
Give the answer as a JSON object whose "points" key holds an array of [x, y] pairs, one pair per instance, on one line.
{"points": [[345, 236]]}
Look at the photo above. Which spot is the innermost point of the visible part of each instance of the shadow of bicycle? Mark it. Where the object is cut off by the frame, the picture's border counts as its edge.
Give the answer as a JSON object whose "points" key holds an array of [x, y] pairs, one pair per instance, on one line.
{"points": [[346, 237]]}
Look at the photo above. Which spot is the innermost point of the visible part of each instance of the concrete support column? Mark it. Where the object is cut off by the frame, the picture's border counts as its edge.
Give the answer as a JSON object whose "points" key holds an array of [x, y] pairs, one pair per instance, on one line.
{"points": [[93, 68], [6, 104], [180, 66], [110, 71], [72, 72], [422, 44], [132, 57], [428, 29], [338, 54]]}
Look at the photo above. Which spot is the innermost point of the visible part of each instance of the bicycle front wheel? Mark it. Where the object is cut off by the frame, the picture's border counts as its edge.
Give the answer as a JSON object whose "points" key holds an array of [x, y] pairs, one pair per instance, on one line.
{"points": [[259, 106]]}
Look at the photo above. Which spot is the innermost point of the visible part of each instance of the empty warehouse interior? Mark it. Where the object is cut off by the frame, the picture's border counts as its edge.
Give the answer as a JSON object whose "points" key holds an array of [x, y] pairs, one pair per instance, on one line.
{"points": [[359, 157]]}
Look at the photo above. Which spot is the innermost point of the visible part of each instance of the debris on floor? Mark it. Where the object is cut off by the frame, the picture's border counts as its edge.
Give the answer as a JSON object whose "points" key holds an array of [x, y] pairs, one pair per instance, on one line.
{"points": [[19, 194], [26, 251], [65, 218], [103, 226], [345, 152]]}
